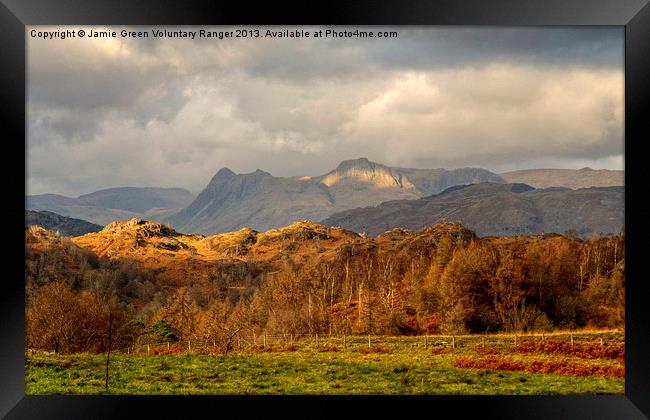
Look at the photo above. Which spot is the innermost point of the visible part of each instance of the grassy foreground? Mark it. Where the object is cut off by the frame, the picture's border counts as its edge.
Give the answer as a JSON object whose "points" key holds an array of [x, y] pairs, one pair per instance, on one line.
{"points": [[308, 369]]}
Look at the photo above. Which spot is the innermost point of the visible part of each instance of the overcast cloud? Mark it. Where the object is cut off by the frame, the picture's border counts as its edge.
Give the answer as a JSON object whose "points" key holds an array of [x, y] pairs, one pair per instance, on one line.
{"points": [[171, 112]]}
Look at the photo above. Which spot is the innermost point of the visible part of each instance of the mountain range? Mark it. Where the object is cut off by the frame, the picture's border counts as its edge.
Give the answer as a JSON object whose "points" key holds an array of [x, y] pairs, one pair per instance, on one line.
{"points": [[497, 210], [261, 201], [354, 190], [105, 206], [568, 178]]}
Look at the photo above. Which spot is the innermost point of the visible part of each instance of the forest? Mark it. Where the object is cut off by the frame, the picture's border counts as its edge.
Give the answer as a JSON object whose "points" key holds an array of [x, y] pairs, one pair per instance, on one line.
{"points": [[441, 280]]}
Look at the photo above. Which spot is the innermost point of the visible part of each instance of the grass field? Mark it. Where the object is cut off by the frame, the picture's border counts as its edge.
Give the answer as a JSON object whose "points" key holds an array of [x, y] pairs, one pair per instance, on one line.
{"points": [[476, 365]]}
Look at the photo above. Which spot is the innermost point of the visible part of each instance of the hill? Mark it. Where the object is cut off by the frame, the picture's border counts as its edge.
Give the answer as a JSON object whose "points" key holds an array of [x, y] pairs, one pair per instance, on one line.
{"points": [[138, 200], [568, 178], [497, 210], [177, 256], [105, 206], [66, 226]]}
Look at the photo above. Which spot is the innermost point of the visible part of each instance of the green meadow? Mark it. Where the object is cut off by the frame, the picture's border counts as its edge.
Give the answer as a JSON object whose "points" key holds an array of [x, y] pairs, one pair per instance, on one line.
{"points": [[308, 368]]}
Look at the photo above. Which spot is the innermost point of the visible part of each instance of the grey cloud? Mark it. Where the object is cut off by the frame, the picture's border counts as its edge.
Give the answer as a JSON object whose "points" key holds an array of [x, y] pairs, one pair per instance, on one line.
{"points": [[154, 112], [84, 86], [439, 48], [446, 46]]}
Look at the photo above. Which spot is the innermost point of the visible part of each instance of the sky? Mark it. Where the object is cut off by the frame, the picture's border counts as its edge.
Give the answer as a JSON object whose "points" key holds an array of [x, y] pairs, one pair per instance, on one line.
{"points": [[170, 112]]}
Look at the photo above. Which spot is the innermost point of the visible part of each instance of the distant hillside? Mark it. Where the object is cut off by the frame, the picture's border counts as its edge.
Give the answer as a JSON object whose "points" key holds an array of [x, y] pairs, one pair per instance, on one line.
{"points": [[434, 181], [105, 206], [261, 201], [139, 200], [66, 226], [568, 178], [497, 210]]}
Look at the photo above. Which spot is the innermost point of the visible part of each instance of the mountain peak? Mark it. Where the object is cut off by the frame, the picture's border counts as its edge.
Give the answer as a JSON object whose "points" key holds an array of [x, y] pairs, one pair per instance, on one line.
{"points": [[222, 175], [259, 172], [224, 172], [360, 163]]}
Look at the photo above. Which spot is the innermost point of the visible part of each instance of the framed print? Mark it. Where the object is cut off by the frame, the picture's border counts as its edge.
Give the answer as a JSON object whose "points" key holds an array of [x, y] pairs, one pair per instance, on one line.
{"points": [[372, 205]]}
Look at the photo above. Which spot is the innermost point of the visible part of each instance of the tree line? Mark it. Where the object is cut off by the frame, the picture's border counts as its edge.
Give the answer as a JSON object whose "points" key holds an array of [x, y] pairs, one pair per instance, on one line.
{"points": [[444, 283]]}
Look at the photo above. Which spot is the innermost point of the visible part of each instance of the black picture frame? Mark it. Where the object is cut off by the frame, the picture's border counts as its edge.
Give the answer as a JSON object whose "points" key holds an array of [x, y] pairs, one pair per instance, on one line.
{"points": [[634, 15]]}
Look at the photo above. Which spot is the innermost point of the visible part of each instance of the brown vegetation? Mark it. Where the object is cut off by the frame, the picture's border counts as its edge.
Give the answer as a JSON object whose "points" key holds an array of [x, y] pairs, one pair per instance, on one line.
{"points": [[585, 350], [306, 278], [563, 367]]}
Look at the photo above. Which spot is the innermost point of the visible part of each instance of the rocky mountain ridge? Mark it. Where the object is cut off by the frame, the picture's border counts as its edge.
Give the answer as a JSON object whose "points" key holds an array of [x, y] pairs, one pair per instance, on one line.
{"points": [[497, 210], [261, 201]]}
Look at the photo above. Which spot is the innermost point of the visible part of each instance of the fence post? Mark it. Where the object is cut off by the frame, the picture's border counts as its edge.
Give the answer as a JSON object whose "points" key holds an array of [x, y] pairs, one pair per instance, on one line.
{"points": [[264, 340], [601, 341], [345, 343], [189, 346], [368, 341], [571, 340], [148, 349], [515, 340], [453, 341]]}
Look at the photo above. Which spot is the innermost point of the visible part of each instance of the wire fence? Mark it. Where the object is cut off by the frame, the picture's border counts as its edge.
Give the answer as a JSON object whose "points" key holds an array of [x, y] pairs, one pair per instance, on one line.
{"points": [[245, 343]]}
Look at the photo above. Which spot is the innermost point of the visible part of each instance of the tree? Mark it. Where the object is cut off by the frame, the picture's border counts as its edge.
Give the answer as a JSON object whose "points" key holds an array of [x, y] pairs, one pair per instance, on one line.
{"points": [[464, 287], [221, 322], [55, 320], [69, 322], [180, 312], [605, 298]]}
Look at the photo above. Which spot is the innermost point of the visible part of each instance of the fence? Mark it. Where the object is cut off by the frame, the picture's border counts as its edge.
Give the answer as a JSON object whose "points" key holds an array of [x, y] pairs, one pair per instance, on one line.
{"points": [[244, 343]]}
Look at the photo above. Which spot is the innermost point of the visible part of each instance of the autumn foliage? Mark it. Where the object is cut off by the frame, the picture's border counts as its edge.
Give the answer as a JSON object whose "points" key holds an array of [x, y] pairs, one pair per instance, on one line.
{"points": [[161, 286]]}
